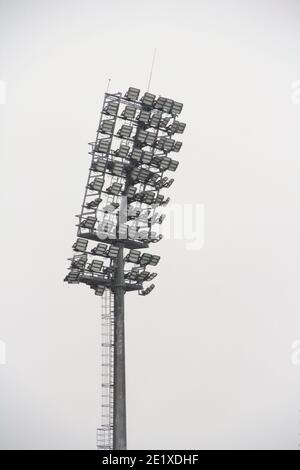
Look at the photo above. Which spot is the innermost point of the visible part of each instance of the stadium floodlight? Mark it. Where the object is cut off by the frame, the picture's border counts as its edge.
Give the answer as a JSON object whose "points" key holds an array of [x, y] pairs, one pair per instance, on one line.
{"points": [[99, 290], [167, 106], [150, 138], [159, 102], [132, 94], [147, 157], [173, 165], [152, 276], [107, 127], [165, 144], [136, 154], [141, 136], [72, 276], [131, 192], [80, 245], [154, 260], [149, 198], [122, 152], [177, 146], [176, 128], [99, 166], [115, 189], [146, 258], [148, 99], [148, 290], [96, 184], [129, 112], [89, 222], [100, 250], [117, 168], [113, 251], [132, 274], [133, 256], [161, 219], [126, 184], [93, 204], [144, 116], [176, 108], [95, 266], [143, 276], [79, 261], [125, 131], [112, 108], [155, 120], [103, 146]]}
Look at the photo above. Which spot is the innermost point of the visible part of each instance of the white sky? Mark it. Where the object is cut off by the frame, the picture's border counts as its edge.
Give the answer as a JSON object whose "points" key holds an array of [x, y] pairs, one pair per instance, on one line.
{"points": [[208, 353]]}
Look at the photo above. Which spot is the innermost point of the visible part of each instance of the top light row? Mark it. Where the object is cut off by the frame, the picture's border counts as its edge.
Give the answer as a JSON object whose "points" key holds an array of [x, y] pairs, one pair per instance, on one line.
{"points": [[149, 100]]}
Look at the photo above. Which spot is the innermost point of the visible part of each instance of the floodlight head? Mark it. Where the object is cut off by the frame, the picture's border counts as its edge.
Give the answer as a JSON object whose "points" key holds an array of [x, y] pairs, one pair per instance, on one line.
{"points": [[167, 106], [99, 166], [129, 112], [176, 108], [115, 189], [79, 262], [148, 99], [96, 184], [125, 131], [131, 192], [160, 102], [100, 250], [176, 128], [133, 256], [147, 157], [122, 152], [132, 94], [113, 251], [93, 204], [72, 276], [80, 245], [177, 146], [103, 146], [148, 290], [136, 154], [99, 290], [107, 127], [95, 266], [88, 223], [112, 108], [117, 168], [144, 116]]}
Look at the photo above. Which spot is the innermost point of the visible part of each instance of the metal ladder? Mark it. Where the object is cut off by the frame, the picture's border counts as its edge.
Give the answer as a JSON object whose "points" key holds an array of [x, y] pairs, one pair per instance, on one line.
{"points": [[105, 432]]}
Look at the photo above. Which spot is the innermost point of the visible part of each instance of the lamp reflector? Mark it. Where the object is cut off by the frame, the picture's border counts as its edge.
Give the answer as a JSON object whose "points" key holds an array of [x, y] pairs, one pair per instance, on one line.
{"points": [[132, 94], [80, 245]]}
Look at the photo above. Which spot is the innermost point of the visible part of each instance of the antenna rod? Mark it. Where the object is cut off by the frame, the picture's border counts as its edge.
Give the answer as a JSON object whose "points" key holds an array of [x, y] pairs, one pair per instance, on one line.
{"points": [[151, 71]]}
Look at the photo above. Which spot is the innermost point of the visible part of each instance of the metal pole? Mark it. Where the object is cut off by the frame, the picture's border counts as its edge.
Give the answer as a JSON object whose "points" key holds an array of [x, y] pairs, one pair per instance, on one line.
{"points": [[119, 434]]}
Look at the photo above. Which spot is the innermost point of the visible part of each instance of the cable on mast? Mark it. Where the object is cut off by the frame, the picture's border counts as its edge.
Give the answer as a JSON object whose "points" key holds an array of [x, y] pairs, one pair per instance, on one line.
{"points": [[151, 71]]}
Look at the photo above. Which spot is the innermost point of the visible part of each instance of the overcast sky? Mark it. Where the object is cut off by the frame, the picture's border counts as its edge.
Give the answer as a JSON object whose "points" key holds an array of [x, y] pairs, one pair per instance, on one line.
{"points": [[209, 352]]}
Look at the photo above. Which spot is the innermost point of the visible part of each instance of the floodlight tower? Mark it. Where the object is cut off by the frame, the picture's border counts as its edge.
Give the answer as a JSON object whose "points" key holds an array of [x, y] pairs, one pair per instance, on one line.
{"points": [[122, 203]]}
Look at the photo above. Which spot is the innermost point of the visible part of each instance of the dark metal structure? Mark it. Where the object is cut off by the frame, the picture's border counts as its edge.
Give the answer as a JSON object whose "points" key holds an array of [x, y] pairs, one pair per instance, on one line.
{"points": [[121, 207]]}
